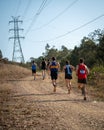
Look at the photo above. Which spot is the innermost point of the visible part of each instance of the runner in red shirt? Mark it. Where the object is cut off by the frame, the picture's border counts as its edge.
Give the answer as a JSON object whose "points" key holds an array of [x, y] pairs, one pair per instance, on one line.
{"points": [[82, 71]]}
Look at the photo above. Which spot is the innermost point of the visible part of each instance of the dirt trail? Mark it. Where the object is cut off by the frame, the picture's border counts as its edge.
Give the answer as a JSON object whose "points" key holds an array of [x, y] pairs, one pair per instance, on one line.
{"points": [[34, 106]]}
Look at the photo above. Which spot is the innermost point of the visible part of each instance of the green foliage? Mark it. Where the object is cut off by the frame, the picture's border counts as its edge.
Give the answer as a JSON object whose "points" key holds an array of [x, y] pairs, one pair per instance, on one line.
{"points": [[91, 49], [98, 69], [63, 55], [87, 50], [100, 50], [96, 80], [1, 56], [74, 58], [95, 72]]}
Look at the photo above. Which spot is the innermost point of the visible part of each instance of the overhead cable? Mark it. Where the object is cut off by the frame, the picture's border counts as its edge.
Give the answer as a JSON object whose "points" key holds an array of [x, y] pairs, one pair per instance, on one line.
{"points": [[42, 6], [69, 6], [63, 35], [26, 9], [19, 3]]}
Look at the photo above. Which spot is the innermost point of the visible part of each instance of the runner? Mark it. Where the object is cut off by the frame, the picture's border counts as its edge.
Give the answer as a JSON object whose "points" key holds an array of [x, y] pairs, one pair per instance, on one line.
{"points": [[68, 75], [82, 71], [34, 70], [43, 67], [54, 67]]}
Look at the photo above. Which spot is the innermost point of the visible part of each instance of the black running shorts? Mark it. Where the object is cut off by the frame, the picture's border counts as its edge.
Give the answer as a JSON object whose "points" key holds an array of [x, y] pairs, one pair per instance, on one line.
{"points": [[84, 81], [33, 71], [54, 75], [68, 76]]}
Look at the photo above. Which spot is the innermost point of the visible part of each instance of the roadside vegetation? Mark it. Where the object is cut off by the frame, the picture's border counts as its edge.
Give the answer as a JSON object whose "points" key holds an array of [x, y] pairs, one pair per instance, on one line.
{"points": [[96, 82]]}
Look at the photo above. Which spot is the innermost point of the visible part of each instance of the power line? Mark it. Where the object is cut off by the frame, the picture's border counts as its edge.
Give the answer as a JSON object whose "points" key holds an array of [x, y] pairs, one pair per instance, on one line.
{"points": [[48, 2], [26, 9], [42, 6], [63, 35], [69, 6], [19, 3]]}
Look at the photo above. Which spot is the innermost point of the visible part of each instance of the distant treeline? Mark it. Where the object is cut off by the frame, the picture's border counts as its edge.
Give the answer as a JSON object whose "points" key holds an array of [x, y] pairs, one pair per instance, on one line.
{"points": [[91, 49]]}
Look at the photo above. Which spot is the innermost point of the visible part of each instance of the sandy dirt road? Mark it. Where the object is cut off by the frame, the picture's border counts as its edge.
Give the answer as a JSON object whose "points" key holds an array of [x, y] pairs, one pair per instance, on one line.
{"points": [[32, 105]]}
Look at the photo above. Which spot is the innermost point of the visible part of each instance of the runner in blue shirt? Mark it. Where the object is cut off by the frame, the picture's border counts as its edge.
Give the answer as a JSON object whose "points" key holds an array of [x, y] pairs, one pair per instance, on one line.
{"points": [[33, 67], [68, 75]]}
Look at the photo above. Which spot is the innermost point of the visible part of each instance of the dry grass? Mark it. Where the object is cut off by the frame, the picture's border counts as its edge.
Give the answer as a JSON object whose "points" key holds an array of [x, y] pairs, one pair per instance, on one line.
{"points": [[10, 72], [95, 87]]}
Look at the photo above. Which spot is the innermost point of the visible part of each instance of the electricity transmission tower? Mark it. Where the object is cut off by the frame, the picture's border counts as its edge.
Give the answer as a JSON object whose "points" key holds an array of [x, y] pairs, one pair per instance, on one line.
{"points": [[17, 50]]}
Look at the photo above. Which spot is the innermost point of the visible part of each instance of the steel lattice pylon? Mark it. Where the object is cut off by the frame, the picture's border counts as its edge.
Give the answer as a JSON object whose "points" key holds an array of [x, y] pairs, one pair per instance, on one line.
{"points": [[17, 50]]}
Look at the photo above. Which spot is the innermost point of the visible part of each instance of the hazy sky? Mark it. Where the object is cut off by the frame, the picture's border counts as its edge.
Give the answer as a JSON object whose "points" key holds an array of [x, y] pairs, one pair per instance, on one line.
{"points": [[56, 22]]}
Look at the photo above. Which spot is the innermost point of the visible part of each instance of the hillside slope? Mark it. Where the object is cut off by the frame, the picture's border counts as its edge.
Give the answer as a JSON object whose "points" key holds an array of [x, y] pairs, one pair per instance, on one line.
{"points": [[10, 72]]}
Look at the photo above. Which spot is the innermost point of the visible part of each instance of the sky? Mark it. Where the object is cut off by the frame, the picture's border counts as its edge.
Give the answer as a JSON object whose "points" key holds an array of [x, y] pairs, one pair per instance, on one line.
{"points": [[56, 22]]}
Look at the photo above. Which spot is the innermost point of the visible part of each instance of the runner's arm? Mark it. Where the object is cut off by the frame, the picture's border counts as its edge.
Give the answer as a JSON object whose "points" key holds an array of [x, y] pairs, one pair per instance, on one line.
{"points": [[87, 70], [72, 67]]}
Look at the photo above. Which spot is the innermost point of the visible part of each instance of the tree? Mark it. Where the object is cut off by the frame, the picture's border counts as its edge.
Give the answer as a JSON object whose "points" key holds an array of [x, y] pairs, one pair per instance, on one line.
{"points": [[1, 56], [100, 50], [74, 58], [52, 52], [98, 37], [63, 55], [46, 51], [86, 50]]}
